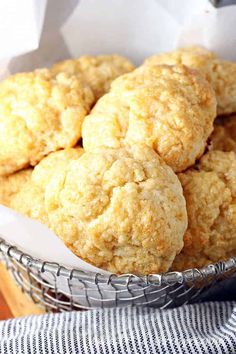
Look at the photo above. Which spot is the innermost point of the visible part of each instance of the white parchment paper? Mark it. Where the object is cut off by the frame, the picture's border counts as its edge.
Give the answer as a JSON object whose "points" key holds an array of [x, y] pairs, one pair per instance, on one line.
{"points": [[48, 31]]}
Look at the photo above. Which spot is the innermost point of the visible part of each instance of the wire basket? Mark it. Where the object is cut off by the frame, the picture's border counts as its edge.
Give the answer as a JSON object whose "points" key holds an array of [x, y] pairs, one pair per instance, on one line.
{"points": [[58, 288]]}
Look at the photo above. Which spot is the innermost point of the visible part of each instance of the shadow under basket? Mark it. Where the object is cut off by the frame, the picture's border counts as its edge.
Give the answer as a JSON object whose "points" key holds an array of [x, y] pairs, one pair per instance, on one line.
{"points": [[57, 288]]}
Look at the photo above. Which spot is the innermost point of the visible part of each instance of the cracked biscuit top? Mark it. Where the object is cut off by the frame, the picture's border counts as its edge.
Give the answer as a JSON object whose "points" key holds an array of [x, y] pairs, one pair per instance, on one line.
{"points": [[210, 193], [221, 74], [39, 113], [29, 199], [12, 184], [120, 209], [96, 71], [224, 135], [169, 108]]}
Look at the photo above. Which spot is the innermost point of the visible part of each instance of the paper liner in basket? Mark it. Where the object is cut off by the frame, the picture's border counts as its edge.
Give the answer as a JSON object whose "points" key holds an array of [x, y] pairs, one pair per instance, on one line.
{"points": [[38, 241]]}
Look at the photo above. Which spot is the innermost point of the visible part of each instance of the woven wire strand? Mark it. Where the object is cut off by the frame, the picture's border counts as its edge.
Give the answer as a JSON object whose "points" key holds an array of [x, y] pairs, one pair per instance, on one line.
{"points": [[57, 288]]}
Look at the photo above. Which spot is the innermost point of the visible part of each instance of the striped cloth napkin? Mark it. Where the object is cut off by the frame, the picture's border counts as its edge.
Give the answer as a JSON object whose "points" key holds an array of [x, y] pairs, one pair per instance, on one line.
{"points": [[204, 328]]}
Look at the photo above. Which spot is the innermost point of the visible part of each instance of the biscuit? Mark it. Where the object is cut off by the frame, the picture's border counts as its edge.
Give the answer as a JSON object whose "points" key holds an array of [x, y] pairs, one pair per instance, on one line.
{"points": [[210, 193], [53, 164], [120, 209], [169, 108], [29, 200], [195, 57], [12, 184], [223, 80], [223, 137], [39, 113], [97, 72], [220, 73]]}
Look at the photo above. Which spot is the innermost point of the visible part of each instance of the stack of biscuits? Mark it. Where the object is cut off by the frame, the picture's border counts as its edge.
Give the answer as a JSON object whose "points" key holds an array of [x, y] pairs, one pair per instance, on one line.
{"points": [[134, 169]]}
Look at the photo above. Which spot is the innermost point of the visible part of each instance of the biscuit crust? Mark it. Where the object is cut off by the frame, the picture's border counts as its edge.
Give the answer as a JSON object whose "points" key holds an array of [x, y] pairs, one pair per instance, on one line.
{"points": [[12, 184], [120, 209], [96, 71], [29, 200], [223, 137], [39, 113], [169, 108], [210, 193], [195, 57], [221, 74]]}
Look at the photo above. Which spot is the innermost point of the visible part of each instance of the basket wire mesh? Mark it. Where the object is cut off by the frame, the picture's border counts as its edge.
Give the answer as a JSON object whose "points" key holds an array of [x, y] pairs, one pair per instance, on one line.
{"points": [[57, 288]]}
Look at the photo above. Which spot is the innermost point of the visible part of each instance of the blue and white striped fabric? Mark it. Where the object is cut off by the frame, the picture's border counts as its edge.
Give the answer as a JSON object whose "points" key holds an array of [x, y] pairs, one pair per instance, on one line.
{"points": [[200, 328]]}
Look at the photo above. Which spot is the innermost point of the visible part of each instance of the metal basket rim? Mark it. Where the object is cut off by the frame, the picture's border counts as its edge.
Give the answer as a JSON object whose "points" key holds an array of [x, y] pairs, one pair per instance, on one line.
{"points": [[168, 278]]}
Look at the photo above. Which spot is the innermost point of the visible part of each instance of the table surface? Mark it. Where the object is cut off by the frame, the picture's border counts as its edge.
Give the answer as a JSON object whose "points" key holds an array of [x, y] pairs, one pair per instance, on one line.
{"points": [[5, 312], [14, 303]]}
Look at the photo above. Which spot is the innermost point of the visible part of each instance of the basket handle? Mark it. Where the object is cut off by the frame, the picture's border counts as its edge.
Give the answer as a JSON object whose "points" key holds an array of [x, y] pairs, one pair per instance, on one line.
{"points": [[222, 3]]}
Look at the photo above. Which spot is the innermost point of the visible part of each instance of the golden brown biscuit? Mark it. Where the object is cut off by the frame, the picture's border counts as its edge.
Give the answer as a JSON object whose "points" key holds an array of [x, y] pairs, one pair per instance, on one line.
{"points": [[223, 80], [29, 200], [120, 209], [169, 108], [220, 73], [39, 113], [12, 184], [53, 164], [223, 137], [210, 193], [195, 57], [97, 72]]}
